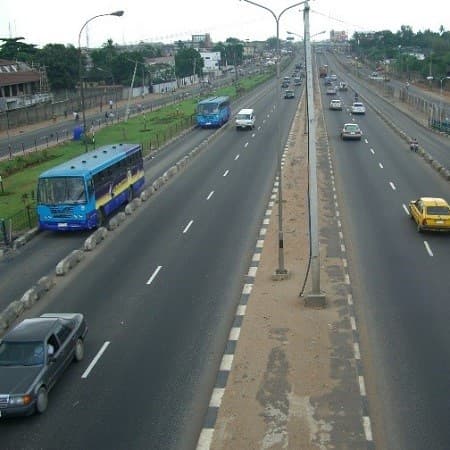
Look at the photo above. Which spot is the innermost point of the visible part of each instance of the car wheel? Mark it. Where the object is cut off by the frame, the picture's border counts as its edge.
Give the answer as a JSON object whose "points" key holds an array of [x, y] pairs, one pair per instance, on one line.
{"points": [[41, 400], [79, 350]]}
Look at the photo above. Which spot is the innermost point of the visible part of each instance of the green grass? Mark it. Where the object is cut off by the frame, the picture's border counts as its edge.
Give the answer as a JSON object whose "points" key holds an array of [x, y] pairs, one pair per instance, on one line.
{"points": [[151, 129]]}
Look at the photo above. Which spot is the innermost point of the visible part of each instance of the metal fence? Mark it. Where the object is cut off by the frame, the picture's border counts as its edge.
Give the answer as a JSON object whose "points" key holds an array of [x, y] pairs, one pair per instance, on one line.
{"points": [[15, 225]]}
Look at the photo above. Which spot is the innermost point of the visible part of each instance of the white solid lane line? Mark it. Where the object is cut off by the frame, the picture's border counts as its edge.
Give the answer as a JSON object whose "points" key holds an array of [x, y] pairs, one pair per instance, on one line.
{"points": [[392, 185], [210, 195], [428, 248], [95, 360], [226, 173], [154, 275], [186, 229]]}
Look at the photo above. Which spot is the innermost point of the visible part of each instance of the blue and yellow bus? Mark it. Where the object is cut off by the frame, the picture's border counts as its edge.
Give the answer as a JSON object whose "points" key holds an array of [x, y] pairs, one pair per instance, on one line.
{"points": [[213, 111], [79, 194]]}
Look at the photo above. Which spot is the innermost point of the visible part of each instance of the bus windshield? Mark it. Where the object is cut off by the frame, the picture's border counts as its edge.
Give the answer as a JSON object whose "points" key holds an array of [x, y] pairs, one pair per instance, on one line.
{"points": [[58, 190], [207, 108]]}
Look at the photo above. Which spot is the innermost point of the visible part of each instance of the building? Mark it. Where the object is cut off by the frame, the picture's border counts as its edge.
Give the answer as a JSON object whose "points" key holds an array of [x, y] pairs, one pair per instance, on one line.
{"points": [[338, 36], [211, 63], [21, 85], [201, 41]]}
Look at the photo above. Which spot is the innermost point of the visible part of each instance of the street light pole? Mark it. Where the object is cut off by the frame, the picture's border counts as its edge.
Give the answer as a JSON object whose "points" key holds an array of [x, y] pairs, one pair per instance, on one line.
{"points": [[80, 69], [315, 297], [280, 272]]}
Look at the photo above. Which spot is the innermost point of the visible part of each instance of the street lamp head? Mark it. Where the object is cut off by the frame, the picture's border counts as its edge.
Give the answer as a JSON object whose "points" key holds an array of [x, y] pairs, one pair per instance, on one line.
{"points": [[117, 13]]}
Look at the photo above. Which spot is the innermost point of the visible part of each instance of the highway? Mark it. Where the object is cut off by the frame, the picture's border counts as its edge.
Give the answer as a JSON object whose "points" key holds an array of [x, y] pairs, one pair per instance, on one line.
{"points": [[159, 297], [160, 294], [399, 277]]}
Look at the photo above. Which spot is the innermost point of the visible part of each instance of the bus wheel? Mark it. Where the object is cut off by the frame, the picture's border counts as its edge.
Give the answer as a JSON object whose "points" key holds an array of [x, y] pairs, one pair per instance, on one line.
{"points": [[129, 194]]}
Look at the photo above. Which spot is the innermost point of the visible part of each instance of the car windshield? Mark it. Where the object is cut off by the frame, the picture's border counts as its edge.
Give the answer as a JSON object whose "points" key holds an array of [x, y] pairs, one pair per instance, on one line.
{"points": [[358, 105], [351, 127], [58, 190], [243, 116], [438, 211], [21, 353]]}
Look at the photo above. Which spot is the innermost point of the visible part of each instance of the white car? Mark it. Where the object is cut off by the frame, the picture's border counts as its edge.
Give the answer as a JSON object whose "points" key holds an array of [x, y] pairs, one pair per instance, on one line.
{"points": [[336, 105], [245, 118], [358, 108]]}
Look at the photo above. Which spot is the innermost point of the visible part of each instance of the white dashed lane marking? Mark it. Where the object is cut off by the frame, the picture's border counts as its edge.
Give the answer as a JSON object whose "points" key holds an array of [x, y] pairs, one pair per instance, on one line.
{"points": [[392, 185], [186, 228], [429, 251], [154, 275], [95, 360], [210, 195], [226, 173]]}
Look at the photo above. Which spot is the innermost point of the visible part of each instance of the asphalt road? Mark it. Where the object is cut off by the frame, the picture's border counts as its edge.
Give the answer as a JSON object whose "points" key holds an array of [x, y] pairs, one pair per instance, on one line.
{"points": [[400, 277], [159, 297]]}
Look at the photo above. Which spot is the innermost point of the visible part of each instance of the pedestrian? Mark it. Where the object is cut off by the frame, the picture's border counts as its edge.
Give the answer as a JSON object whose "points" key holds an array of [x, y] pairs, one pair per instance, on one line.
{"points": [[110, 104]]}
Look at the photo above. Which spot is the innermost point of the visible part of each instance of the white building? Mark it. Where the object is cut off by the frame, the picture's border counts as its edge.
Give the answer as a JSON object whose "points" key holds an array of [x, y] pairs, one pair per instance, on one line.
{"points": [[211, 63]]}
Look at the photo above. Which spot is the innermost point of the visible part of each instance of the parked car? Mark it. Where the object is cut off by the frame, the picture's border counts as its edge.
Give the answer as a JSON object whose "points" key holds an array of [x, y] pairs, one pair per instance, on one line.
{"points": [[430, 213], [358, 108], [336, 104], [351, 131], [33, 356]]}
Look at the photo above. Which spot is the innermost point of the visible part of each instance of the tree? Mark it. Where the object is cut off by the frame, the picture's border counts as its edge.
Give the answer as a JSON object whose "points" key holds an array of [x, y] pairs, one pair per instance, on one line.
{"points": [[61, 64], [15, 50], [188, 61]]}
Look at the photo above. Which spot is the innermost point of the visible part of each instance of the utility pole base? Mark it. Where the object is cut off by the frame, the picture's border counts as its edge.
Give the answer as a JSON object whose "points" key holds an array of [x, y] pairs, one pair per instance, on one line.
{"points": [[316, 300], [280, 275]]}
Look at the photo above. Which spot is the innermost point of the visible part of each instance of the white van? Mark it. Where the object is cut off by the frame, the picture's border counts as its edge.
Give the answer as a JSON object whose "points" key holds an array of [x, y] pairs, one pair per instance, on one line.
{"points": [[245, 118]]}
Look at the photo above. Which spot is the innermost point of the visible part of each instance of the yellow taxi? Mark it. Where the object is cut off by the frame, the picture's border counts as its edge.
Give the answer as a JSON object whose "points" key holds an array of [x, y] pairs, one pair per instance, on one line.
{"points": [[430, 213]]}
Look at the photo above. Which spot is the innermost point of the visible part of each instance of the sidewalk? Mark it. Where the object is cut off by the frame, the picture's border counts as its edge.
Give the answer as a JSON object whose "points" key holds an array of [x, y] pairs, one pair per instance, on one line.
{"points": [[294, 376]]}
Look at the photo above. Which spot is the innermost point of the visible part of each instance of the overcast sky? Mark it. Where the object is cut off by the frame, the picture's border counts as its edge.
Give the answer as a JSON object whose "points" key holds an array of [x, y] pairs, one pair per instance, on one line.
{"points": [[49, 21]]}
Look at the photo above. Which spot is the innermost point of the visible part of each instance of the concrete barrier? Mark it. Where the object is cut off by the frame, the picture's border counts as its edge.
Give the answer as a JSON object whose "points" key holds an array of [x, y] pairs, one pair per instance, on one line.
{"points": [[436, 165], [69, 262], [137, 202], [95, 238], [29, 298], [129, 209], [22, 240]]}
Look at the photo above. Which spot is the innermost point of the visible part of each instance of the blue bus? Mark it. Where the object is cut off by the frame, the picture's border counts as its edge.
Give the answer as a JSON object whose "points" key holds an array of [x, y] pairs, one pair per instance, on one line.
{"points": [[213, 111], [79, 194]]}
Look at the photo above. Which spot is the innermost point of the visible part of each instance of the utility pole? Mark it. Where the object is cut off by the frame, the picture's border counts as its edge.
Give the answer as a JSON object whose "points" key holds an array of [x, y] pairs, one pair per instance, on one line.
{"points": [[315, 297]]}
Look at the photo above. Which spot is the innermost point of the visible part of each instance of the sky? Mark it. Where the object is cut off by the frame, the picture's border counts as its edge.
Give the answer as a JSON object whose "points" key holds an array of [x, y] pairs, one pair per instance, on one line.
{"points": [[46, 21]]}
